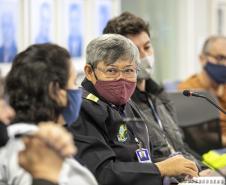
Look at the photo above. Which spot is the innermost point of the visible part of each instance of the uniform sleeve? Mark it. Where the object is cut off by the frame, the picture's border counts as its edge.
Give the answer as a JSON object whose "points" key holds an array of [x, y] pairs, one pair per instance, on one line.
{"points": [[98, 156], [181, 146]]}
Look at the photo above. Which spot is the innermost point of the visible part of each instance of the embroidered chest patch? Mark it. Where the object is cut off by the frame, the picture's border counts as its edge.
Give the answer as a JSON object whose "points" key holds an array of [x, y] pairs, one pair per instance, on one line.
{"points": [[122, 133]]}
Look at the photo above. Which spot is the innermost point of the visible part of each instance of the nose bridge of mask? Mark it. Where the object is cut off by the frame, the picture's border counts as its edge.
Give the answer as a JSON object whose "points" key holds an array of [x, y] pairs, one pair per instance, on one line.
{"points": [[146, 67]]}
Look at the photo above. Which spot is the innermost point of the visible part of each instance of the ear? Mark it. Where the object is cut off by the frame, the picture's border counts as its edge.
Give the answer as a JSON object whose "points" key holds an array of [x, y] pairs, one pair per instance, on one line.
{"points": [[90, 73], [57, 94]]}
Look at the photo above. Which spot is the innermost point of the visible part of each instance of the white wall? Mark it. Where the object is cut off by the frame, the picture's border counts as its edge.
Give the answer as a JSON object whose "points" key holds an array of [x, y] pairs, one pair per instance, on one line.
{"points": [[179, 28], [162, 16], [194, 27]]}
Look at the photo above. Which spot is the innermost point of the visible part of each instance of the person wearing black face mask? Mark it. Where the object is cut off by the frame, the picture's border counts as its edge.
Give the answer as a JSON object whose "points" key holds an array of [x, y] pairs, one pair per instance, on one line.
{"points": [[213, 74], [41, 88]]}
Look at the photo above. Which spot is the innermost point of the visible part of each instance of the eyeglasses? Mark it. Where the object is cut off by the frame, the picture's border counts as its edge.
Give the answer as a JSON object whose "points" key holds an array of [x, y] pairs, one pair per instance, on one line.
{"points": [[113, 72], [221, 59]]}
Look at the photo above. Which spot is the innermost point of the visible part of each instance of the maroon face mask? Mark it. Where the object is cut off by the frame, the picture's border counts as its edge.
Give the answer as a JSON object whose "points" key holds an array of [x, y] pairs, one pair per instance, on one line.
{"points": [[116, 92]]}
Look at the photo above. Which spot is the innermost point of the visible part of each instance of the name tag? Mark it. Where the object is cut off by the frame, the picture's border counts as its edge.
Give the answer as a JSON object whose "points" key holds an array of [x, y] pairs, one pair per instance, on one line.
{"points": [[143, 155]]}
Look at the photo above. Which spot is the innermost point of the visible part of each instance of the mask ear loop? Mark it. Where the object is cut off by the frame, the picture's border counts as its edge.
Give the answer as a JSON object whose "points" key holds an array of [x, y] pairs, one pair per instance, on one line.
{"points": [[93, 71]]}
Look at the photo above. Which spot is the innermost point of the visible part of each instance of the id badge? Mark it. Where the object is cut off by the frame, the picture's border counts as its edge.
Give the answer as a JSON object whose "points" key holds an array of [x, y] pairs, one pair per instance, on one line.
{"points": [[143, 155]]}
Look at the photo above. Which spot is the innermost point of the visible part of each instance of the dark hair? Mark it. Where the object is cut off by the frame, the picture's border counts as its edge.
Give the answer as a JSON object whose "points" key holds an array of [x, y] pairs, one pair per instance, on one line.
{"points": [[127, 24], [28, 82]]}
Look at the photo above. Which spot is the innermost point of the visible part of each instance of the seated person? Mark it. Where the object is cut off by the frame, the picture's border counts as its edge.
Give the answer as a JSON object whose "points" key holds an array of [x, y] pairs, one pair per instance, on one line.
{"points": [[41, 87], [212, 77], [151, 99], [111, 136]]}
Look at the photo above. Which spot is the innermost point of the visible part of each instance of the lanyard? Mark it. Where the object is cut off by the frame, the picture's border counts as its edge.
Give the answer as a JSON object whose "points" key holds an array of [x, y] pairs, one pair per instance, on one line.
{"points": [[157, 118], [155, 113], [125, 120], [143, 154]]}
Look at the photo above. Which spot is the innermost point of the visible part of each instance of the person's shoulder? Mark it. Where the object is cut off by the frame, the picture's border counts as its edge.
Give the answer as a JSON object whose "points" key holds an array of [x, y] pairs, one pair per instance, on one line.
{"points": [[77, 172], [9, 167], [92, 103], [91, 100], [90, 97], [92, 107]]}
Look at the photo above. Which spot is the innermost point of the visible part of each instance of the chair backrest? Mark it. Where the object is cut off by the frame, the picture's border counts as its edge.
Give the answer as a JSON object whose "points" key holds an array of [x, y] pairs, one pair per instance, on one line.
{"points": [[171, 85], [199, 120]]}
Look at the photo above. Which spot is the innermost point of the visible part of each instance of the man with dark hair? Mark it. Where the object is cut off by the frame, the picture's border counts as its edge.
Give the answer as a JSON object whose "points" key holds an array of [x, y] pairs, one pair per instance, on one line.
{"points": [[153, 102], [212, 77]]}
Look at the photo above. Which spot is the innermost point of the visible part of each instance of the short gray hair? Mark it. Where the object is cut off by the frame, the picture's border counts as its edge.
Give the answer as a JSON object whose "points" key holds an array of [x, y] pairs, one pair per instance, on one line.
{"points": [[109, 48]]}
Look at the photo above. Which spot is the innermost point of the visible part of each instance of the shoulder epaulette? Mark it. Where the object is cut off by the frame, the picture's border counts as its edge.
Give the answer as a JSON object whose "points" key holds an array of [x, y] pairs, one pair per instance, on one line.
{"points": [[92, 97]]}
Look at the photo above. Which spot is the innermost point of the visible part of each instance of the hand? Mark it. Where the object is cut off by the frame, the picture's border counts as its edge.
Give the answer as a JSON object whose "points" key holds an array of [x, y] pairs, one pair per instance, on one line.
{"points": [[6, 112], [207, 172], [57, 138], [45, 151], [177, 165]]}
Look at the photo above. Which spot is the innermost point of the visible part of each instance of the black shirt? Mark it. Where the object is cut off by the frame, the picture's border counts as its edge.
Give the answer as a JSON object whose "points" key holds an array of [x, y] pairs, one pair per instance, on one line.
{"points": [[3, 135], [106, 142]]}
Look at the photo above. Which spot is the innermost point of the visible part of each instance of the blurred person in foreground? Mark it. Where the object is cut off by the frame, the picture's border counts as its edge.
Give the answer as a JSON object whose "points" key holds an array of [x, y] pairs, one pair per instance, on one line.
{"points": [[43, 157], [6, 114], [41, 88], [110, 133], [212, 76], [39, 163], [152, 100]]}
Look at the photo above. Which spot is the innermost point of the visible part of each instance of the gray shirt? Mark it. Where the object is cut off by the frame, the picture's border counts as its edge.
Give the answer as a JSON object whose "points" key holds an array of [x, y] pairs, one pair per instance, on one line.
{"points": [[12, 174]]}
